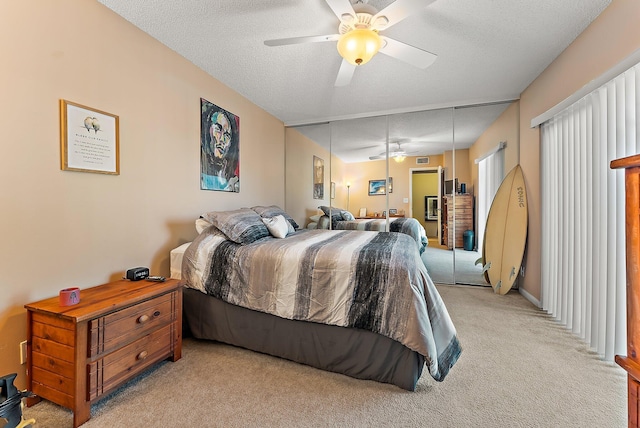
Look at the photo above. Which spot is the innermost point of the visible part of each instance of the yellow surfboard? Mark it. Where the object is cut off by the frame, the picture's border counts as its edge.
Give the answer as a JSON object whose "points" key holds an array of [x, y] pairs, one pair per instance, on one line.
{"points": [[506, 232]]}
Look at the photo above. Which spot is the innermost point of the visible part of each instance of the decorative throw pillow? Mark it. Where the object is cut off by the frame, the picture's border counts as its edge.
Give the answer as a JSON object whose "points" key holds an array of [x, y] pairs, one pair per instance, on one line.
{"points": [[243, 226], [278, 226], [274, 210], [346, 215]]}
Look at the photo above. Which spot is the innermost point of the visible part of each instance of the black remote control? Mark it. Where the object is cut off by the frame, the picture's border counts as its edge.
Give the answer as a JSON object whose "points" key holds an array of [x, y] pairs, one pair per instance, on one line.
{"points": [[156, 278]]}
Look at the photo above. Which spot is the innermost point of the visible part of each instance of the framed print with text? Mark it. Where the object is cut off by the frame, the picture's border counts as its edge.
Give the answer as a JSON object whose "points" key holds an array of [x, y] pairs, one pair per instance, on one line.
{"points": [[89, 140]]}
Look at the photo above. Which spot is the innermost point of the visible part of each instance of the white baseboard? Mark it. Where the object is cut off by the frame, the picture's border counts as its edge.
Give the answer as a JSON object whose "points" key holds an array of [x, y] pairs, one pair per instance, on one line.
{"points": [[530, 298]]}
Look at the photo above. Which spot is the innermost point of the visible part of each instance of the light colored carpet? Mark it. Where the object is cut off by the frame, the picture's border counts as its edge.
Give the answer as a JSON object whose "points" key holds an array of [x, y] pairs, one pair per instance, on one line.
{"points": [[518, 368], [440, 263]]}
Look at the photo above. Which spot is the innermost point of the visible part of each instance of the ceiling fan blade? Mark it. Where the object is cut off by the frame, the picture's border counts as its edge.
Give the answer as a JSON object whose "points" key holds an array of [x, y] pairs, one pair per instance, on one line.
{"points": [[407, 53], [377, 157], [342, 9], [345, 73], [397, 11], [303, 39]]}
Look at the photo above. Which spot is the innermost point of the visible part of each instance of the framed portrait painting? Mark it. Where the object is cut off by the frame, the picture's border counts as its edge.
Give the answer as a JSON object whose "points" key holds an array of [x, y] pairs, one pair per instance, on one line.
{"points": [[219, 148]]}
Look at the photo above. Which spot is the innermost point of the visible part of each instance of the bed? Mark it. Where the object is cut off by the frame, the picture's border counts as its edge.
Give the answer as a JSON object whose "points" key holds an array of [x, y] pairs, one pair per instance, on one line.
{"points": [[338, 219], [354, 302]]}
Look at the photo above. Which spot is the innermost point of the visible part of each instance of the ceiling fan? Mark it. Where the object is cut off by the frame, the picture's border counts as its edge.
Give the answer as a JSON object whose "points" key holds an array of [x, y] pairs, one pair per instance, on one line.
{"points": [[358, 35], [397, 154]]}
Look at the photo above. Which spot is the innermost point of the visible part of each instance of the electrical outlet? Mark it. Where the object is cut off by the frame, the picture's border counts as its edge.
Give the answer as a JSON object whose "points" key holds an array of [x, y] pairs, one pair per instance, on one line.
{"points": [[405, 200], [521, 270], [23, 352]]}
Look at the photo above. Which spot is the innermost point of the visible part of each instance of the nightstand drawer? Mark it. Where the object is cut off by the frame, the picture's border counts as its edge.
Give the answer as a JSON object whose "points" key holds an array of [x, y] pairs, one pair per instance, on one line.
{"points": [[106, 373], [114, 330]]}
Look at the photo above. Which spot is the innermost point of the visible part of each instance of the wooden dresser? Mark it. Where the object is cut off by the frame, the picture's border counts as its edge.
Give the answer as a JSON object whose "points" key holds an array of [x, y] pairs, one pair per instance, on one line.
{"points": [[464, 219], [631, 363], [76, 354]]}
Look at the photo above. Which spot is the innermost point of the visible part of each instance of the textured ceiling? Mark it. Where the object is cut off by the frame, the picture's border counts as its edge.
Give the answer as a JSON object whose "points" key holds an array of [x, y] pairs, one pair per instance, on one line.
{"points": [[488, 51]]}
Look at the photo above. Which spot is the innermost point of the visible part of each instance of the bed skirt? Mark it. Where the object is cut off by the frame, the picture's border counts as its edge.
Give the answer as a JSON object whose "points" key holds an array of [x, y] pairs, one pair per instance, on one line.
{"points": [[357, 353]]}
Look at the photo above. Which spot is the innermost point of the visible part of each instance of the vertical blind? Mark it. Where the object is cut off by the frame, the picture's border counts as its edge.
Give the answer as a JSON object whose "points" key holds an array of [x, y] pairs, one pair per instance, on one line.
{"points": [[583, 205], [490, 175]]}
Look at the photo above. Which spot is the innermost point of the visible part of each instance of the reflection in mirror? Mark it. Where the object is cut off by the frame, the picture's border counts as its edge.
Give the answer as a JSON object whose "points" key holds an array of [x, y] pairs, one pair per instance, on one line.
{"points": [[353, 142], [421, 147], [398, 165], [482, 154], [307, 155]]}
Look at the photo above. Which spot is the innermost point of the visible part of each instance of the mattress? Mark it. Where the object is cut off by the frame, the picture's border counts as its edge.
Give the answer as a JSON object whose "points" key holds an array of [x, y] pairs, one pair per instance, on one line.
{"points": [[175, 260]]}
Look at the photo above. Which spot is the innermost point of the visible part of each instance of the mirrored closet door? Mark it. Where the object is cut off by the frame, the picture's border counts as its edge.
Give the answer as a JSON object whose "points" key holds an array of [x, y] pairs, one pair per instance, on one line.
{"points": [[419, 164]]}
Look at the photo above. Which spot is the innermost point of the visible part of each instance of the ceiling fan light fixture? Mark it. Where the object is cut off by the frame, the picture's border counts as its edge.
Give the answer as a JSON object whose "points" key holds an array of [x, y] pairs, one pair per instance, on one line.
{"points": [[359, 45], [399, 158]]}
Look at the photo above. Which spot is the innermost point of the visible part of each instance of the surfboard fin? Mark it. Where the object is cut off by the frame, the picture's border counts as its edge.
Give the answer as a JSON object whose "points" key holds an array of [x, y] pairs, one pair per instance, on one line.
{"points": [[513, 273], [498, 285], [486, 267]]}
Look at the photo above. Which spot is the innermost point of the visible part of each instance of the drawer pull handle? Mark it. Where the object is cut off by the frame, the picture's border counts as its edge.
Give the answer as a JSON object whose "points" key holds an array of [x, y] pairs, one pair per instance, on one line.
{"points": [[156, 314], [143, 319], [142, 355]]}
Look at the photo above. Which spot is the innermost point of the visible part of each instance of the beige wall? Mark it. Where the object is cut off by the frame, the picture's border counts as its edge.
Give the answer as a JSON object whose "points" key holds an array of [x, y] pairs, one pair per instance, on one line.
{"points": [[612, 36], [506, 128], [61, 228], [359, 174], [300, 203], [462, 170]]}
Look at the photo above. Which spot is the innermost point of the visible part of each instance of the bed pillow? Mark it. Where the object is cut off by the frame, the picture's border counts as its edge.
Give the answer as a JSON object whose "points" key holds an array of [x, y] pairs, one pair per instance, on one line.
{"points": [[323, 222], [347, 216], [274, 210], [333, 213], [315, 218], [329, 210], [202, 224], [243, 226], [278, 226]]}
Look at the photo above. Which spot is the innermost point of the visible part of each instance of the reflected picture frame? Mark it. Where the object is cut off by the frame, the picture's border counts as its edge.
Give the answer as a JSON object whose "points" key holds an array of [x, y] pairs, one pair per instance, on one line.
{"points": [[431, 208], [377, 187], [318, 177]]}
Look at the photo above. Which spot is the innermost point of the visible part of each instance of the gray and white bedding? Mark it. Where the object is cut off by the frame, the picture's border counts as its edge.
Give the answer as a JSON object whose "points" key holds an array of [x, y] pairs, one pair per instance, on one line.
{"points": [[408, 226], [361, 280]]}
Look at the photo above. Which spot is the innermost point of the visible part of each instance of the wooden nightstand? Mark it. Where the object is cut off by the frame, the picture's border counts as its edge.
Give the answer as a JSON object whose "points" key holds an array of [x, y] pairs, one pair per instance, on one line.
{"points": [[76, 354]]}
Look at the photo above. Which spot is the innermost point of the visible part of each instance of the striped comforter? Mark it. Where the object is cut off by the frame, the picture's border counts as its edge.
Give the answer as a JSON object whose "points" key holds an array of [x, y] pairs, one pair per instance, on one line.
{"points": [[364, 280], [408, 226]]}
